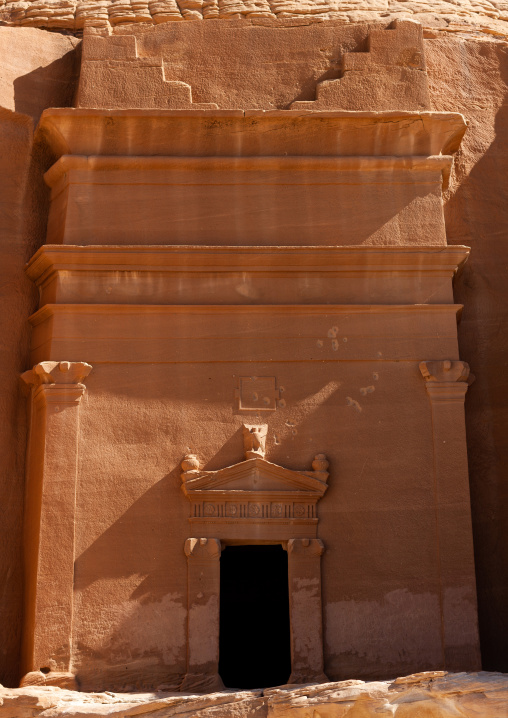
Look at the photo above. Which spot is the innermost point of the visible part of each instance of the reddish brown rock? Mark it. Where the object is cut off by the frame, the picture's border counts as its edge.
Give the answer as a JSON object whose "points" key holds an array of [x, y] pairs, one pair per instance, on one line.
{"points": [[472, 76], [285, 370], [39, 70], [348, 353]]}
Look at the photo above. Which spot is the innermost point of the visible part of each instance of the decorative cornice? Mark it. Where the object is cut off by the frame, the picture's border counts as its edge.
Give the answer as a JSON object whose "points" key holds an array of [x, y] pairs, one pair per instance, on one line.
{"points": [[254, 494], [305, 132], [436, 260], [203, 549]]}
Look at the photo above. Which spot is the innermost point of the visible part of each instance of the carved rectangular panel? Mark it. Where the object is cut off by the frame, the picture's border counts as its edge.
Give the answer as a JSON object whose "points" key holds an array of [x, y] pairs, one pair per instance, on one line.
{"points": [[258, 392]]}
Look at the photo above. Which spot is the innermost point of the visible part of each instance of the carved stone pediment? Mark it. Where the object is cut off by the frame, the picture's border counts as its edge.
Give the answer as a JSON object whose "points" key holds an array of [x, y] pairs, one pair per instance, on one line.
{"points": [[257, 476], [254, 489]]}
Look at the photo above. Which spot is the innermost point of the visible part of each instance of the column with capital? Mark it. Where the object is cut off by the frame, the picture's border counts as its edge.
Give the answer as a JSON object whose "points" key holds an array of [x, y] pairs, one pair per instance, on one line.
{"points": [[446, 383], [304, 569], [203, 605], [49, 521]]}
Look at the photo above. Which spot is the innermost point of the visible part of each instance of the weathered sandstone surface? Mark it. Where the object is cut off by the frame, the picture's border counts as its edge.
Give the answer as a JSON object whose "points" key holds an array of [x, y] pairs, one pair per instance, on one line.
{"points": [[36, 70], [465, 76], [436, 695], [466, 16]]}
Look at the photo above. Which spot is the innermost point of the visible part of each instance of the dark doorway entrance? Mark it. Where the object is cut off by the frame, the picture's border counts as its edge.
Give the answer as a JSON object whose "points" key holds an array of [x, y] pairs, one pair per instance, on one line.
{"points": [[254, 647]]}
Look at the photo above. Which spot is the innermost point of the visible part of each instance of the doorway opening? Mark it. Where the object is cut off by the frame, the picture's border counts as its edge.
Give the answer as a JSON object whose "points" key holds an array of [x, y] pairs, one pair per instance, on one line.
{"points": [[254, 642]]}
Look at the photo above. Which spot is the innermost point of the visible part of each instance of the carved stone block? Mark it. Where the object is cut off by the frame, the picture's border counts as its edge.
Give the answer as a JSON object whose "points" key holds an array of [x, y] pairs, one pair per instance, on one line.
{"points": [[258, 392], [113, 76], [391, 76]]}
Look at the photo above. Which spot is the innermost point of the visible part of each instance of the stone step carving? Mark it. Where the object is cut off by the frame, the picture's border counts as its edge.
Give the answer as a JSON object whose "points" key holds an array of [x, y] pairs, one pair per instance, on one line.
{"points": [[391, 75], [114, 76]]}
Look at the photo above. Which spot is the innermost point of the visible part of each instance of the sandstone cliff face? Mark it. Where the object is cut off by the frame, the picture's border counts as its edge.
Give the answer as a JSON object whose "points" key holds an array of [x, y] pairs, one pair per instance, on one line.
{"points": [[38, 69], [472, 78], [469, 16], [436, 695], [465, 75]]}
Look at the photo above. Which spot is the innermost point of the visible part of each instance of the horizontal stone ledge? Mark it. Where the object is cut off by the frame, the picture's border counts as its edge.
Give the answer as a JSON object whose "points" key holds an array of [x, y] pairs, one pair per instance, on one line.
{"points": [[244, 333], [49, 310], [235, 133], [246, 170], [363, 260]]}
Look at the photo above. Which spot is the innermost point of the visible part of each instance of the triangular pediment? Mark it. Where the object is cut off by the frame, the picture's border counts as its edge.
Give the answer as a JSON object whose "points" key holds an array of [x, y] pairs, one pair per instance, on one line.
{"points": [[254, 475]]}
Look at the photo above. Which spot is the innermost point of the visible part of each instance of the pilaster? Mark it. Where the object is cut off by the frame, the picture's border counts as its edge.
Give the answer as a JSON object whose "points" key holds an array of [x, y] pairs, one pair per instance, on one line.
{"points": [[203, 577], [447, 383], [304, 568], [50, 503]]}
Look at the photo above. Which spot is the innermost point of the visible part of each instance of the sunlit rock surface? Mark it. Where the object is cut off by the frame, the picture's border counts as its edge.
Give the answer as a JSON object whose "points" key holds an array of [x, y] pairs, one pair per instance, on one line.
{"points": [[464, 16], [423, 695]]}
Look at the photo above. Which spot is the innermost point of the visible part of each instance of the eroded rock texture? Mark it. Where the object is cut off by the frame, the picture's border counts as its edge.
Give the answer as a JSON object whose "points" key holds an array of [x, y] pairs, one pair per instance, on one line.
{"points": [[471, 16], [438, 694]]}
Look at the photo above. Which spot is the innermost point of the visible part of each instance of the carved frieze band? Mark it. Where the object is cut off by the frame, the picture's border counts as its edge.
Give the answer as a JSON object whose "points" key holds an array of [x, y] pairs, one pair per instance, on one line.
{"points": [[203, 549], [254, 510], [57, 381], [306, 548], [446, 380]]}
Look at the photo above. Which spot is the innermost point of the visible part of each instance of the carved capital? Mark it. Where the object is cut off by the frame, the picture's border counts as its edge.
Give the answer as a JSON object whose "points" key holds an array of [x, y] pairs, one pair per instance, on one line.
{"points": [[445, 371], [446, 381], [56, 372], [57, 383], [203, 549], [306, 548]]}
